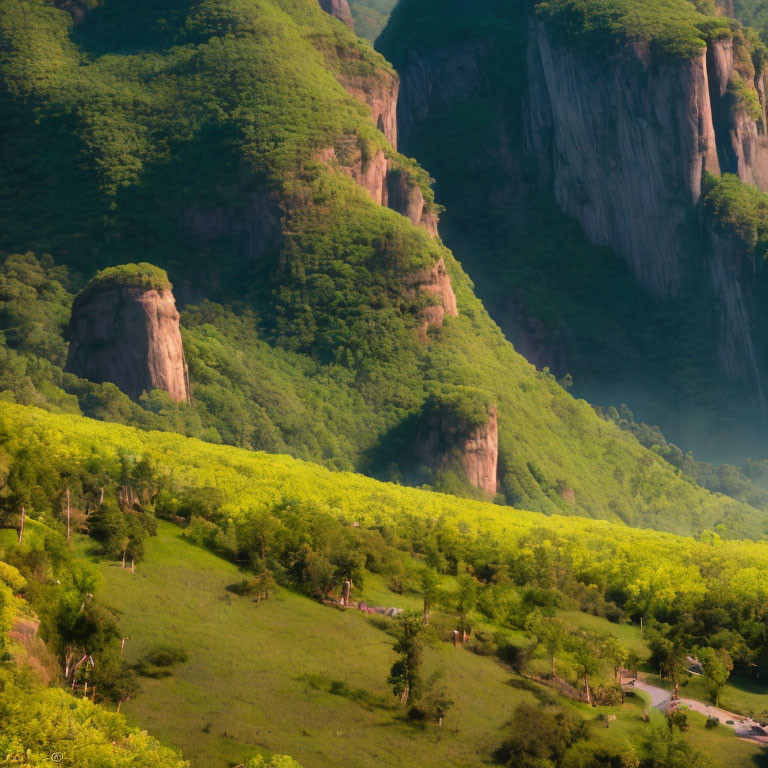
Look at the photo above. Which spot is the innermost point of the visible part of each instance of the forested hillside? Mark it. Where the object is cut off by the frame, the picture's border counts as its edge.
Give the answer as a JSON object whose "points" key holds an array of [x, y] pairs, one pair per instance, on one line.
{"points": [[238, 148], [508, 579], [642, 278]]}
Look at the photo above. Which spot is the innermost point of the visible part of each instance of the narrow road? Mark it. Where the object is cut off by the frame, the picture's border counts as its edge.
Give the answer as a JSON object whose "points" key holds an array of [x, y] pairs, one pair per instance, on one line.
{"points": [[662, 700]]}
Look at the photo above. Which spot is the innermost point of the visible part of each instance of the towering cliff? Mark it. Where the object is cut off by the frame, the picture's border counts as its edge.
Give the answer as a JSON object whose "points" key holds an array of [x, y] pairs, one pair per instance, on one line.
{"points": [[614, 115], [125, 330], [631, 188]]}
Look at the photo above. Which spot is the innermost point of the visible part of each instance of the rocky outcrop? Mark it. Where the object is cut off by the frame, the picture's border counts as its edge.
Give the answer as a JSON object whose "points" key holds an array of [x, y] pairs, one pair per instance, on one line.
{"points": [[445, 441], [340, 10], [624, 144], [435, 282], [406, 197], [480, 455], [129, 335], [742, 145], [379, 92], [391, 187]]}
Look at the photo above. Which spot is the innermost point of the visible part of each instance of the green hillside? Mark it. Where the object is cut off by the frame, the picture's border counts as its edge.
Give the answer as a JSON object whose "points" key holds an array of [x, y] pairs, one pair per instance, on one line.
{"points": [[283, 673], [293, 676], [299, 325]]}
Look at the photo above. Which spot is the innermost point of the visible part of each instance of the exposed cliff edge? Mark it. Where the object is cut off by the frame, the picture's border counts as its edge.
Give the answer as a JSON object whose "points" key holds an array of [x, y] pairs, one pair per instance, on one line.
{"points": [[124, 329], [435, 283], [738, 113], [385, 181], [460, 433], [339, 9], [379, 92], [592, 130]]}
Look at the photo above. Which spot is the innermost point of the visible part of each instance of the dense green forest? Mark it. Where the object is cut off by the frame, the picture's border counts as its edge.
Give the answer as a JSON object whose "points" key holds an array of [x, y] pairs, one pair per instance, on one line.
{"points": [[298, 322]]}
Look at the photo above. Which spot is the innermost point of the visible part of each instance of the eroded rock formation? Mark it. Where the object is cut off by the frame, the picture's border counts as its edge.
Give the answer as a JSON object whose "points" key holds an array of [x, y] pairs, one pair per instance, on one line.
{"points": [[447, 440], [339, 9], [392, 187], [129, 335], [742, 144], [435, 282], [623, 141], [379, 92]]}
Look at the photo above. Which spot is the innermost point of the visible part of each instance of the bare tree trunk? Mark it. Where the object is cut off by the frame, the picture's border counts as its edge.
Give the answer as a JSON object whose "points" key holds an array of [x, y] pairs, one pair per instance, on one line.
{"points": [[586, 686], [404, 695], [101, 498], [68, 515], [123, 565], [21, 527], [554, 674]]}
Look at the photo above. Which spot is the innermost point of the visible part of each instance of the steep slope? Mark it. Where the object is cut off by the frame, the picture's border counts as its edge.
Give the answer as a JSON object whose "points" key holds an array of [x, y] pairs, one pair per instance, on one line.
{"points": [[245, 150], [611, 113]]}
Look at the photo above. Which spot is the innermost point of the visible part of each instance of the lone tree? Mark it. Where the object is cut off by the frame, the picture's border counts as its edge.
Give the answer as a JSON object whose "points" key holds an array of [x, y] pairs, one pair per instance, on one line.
{"points": [[552, 633], [429, 582], [405, 675], [717, 666]]}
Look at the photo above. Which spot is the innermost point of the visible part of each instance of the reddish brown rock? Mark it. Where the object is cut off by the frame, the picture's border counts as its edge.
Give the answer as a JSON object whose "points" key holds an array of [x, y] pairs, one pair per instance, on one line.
{"points": [[434, 281], [391, 188], [128, 334], [480, 455], [340, 10], [379, 93], [446, 441]]}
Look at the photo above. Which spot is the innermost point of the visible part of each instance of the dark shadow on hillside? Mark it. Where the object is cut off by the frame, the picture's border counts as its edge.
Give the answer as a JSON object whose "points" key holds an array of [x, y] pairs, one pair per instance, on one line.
{"points": [[366, 699], [131, 26], [392, 458]]}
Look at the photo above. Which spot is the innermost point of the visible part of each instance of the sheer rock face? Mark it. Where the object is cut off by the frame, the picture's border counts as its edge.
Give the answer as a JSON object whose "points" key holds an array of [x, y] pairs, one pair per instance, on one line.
{"points": [[623, 142], [340, 10], [379, 92], [734, 271], [625, 145], [391, 188], [742, 145], [442, 441], [128, 336]]}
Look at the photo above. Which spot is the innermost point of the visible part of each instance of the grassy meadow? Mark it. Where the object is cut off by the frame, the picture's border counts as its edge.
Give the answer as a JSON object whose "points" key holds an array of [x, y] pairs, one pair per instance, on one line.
{"points": [[292, 676]]}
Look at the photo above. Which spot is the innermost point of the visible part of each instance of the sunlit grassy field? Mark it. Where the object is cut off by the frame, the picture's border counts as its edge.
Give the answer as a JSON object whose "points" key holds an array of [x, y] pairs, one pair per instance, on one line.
{"points": [[260, 677], [292, 676]]}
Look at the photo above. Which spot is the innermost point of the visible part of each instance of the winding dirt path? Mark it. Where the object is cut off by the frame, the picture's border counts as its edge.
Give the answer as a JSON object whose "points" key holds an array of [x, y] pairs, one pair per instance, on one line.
{"points": [[743, 726]]}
